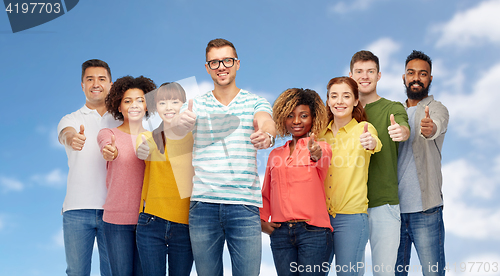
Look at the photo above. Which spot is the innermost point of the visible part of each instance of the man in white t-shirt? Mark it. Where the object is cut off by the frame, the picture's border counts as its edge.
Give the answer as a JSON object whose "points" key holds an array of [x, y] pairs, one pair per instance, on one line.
{"points": [[86, 188]]}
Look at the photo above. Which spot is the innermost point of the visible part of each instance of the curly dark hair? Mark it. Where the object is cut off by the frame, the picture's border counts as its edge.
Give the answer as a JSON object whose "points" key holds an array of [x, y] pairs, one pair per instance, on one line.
{"points": [[118, 89], [289, 100], [418, 55]]}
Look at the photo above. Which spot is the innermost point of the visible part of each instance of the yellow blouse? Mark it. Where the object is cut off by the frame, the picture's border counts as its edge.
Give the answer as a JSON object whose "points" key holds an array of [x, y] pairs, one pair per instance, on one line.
{"points": [[345, 184], [168, 179]]}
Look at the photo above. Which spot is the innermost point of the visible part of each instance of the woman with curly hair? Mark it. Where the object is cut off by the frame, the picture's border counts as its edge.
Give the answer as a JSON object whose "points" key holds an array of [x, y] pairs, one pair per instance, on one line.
{"points": [[126, 102], [163, 229], [292, 193], [353, 141]]}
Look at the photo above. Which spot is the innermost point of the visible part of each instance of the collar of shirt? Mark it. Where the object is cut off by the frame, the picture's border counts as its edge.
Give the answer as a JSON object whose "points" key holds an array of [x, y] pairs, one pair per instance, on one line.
{"points": [[425, 101], [352, 124], [300, 153]]}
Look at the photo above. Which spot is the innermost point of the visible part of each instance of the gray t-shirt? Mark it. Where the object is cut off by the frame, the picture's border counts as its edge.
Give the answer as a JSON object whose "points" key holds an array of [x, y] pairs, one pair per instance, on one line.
{"points": [[410, 196]]}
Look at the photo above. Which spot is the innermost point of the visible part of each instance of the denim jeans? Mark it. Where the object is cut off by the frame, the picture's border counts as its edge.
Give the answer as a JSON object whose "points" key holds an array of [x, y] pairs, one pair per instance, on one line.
{"points": [[80, 228], [301, 249], [122, 250], [350, 235], [385, 228], [211, 224], [426, 231], [158, 239]]}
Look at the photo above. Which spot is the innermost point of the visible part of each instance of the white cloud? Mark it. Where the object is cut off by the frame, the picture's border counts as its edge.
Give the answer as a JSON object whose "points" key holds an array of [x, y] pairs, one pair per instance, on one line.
{"points": [[55, 178], [477, 265], [471, 27], [452, 79], [193, 88], [51, 134], [10, 184], [350, 6], [463, 114], [58, 239], [390, 85], [268, 269], [464, 183]]}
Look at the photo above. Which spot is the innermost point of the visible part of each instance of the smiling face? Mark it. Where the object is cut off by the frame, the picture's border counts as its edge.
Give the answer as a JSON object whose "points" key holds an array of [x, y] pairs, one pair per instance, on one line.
{"points": [[133, 105], [96, 85], [341, 101], [417, 79], [365, 73], [168, 109], [222, 76], [299, 122]]}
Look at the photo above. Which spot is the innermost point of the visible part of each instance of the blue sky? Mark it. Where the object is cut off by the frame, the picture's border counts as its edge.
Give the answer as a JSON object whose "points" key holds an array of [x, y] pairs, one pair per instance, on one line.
{"points": [[281, 44]]}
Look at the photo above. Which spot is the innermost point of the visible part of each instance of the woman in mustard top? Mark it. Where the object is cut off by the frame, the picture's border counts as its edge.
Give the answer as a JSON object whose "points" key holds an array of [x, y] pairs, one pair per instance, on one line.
{"points": [[353, 141], [163, 230]]}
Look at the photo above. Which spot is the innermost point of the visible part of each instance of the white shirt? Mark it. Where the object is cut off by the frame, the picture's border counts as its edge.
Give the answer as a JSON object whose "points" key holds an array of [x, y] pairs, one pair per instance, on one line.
{"points": [[86, 187]]}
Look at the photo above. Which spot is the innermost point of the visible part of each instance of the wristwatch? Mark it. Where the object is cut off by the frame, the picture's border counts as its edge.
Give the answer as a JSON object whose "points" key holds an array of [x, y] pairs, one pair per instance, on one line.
{"points": [[272, 139]]}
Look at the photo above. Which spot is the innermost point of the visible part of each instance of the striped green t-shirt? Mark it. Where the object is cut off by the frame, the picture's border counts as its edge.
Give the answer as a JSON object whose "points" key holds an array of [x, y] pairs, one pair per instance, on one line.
{"points": [[224, 159]]}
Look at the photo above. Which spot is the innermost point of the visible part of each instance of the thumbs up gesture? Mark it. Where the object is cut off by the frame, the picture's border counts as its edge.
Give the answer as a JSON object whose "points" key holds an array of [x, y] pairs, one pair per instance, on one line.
{"points": [[78, 140], [143, 149], [314, 148], [186, 120], [258, 138], [427, 126], [395, 130], [109, 152], [367, 140]]}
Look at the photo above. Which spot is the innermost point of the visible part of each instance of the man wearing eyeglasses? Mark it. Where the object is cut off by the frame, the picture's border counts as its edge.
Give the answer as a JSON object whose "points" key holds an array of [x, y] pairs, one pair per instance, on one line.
{"points": [[229, 125]]}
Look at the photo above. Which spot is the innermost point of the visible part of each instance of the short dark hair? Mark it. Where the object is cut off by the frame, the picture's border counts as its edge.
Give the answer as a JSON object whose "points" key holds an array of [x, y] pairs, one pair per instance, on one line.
{"points": [[118, 89], [418, 55], [166, 91], [95, 63], [364, 55], [219, 43]]}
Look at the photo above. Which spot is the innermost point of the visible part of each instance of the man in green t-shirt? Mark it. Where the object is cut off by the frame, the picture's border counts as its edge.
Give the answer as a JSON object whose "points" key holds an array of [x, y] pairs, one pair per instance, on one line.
{"points": [[391, 121]]}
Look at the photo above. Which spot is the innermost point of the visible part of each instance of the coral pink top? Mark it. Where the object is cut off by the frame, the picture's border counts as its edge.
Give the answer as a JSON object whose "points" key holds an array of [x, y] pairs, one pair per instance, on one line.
{"points": [[123, 180], [293, 185]]}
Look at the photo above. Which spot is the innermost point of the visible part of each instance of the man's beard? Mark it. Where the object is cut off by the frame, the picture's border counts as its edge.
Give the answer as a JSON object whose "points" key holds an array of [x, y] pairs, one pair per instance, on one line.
{"points": [[424, 91]]}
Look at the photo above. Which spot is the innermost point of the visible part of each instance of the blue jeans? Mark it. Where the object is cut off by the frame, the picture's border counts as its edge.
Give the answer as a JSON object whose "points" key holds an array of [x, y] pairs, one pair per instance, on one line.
{"points": [[385, 228], [80, 228], [211, 224], [122, 249], [301, 249], [426, 231], [158, 238], [350, 235]]}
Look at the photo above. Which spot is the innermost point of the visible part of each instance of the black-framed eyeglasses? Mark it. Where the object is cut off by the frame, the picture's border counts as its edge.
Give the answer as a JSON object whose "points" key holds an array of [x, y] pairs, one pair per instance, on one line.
{"points": [[215, 64]]}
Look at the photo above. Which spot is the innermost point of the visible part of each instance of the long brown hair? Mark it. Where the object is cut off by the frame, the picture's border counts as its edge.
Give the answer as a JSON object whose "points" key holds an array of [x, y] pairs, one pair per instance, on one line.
{"points": [[358, 112]]}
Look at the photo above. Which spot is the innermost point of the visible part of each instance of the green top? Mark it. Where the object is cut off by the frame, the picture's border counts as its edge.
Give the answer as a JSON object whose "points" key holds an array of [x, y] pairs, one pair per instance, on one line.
{"points": [[383, 170]]}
